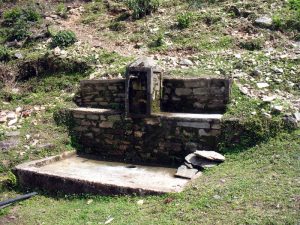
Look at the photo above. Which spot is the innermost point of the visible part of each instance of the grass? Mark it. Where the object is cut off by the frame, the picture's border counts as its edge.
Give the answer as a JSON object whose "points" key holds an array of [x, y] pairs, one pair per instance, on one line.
{"points": [[257, 185], [254, 186]]}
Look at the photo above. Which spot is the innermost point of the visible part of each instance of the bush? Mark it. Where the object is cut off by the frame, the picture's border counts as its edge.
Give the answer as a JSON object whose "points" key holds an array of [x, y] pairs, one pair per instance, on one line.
{"points": [[61, 10], [4, 54], [294, 4], [141, 8], [117, 26], [184, 20], [63, 39], [252, 45], [14, 15], [19, 31], [157, 42]]}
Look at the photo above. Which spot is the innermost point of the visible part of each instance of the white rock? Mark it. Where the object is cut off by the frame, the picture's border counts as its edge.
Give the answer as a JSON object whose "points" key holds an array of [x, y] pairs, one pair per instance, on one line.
{"points": [[186, 62], [11, 115], [211, 155], [12, 122], [57, 51], [262, 85], [18, 109], [277, 108], [268, 98]]}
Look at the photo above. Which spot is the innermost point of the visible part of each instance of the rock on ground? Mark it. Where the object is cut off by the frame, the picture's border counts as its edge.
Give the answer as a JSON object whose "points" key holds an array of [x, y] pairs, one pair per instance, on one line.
{"points": [[210, 155], [185, 172]]}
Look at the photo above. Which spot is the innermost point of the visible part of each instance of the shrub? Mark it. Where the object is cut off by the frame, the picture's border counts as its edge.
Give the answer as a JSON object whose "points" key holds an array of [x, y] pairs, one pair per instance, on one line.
{"points": [[14, 15], [61, 10], [294, 4], [141, 8], [157, 42], [117, 26], [184, 20], [252, 45], [19, 31], [4, 54], [63, 39]]}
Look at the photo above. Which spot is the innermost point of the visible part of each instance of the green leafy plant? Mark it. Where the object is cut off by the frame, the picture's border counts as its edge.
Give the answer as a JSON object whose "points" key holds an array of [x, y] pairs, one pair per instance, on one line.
{"points": [[117, 26], [63, 38], [27, 14], [184, 20], [252, 45], [142, 8], [19, 31], [61, 10], [294, 4], [4, 54], [158, 41]]}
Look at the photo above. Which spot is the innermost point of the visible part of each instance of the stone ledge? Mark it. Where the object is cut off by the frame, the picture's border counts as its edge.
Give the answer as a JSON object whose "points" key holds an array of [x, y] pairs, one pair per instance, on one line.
{"points": [[189, 116], [82, 110], [101, 81]]}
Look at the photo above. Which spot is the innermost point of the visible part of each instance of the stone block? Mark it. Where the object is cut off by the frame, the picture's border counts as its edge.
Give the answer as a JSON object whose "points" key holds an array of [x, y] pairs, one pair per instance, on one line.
{"points": [[183, 91], [204, 125], [92, 117], [114, 118], [80, 129], [106, 124], [216, 126], [85, 123], [112, 88], [138, 134], [200, 91], [78, 115], [196, 83], [89, 135]]}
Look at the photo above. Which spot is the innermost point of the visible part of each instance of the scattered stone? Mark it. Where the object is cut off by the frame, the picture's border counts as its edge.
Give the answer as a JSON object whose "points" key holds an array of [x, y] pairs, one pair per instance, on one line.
{"points": [[210, 155], [12, 134], [12, 122], [19, 56], [297, 116], [198, 162], [290, 121], [3, 118], [185, 172], [277, 108], [47, 146], [140, 202], [256, 73], [8, 144], [244, 90], [262, 85], [217, 197], [186, 62], [268, 98], [264, 22], [278, 70], [57, 51]]}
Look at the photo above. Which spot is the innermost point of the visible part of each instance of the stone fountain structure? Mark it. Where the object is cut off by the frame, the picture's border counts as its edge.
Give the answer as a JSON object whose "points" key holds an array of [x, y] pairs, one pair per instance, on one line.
{"points": [[132, 133]]}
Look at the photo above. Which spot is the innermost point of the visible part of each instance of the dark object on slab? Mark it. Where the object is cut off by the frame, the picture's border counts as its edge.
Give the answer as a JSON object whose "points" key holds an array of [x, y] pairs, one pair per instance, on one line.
{"points": [[19, 198]]}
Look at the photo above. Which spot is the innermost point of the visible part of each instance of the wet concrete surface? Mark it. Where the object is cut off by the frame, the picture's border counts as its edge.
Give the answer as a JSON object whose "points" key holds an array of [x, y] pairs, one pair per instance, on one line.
{"points": [[88, 175]]}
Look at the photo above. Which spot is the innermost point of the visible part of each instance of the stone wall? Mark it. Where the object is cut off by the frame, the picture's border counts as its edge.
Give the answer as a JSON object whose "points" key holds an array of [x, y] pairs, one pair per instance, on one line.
{"points": [[159, 139], [106, 94], [200, 95]]}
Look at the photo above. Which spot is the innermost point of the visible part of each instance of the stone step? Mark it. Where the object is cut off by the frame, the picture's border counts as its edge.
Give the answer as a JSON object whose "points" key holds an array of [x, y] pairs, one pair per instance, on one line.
{"points": [[72, 173]]}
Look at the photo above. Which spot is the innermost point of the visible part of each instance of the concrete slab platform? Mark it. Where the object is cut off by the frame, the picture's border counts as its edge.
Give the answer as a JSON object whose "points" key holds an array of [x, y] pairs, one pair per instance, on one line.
{"points": [[72, 173]]}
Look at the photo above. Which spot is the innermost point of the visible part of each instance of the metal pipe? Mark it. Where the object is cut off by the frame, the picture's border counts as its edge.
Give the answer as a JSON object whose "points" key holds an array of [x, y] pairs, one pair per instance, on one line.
{"points": [[19, 198]]}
